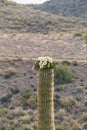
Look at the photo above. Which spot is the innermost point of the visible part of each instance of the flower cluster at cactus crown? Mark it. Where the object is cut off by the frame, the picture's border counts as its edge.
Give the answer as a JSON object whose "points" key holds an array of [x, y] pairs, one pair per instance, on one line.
{"points": [[45, 62]]}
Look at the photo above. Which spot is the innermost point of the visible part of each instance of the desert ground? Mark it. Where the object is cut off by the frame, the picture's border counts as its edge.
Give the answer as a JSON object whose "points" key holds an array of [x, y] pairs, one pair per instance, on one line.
{"points": [[58, 46], [18, 80]]}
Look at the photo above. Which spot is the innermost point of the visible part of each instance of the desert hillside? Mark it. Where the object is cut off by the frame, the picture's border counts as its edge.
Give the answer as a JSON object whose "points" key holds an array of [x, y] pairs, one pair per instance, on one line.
{"points": [[18, 92], [21, 18], [18, 80], [68, 8], [26, 34]]}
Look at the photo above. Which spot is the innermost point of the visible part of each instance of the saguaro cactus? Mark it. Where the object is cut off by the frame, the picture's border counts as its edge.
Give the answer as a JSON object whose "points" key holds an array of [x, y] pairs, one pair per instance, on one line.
{"points": [[45, 94]]}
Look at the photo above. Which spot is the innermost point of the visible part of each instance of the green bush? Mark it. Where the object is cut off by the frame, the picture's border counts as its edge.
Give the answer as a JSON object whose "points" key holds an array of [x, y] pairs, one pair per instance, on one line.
{"points": [[78, 34], [63, 75]]}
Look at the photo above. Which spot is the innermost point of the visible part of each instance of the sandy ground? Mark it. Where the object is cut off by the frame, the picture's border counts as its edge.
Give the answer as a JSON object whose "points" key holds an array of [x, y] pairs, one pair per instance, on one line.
{"points": [[58, 46]]}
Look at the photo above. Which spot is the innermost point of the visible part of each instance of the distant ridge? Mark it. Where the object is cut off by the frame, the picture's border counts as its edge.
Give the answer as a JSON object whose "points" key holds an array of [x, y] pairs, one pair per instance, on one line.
{"points": [[76, 8]]}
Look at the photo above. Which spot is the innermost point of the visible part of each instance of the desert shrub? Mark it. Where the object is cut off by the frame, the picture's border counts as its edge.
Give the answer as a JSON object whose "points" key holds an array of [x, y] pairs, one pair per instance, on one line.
{"points": [[5, 98], [62, 112], [48, 22], [19, 128], [28, 100], [26, 94], [60, 127], [1, 73], [32, 101], [56, 101], [75, 125], [63, 75], [11, 71], [23, 101], [80, 89], [75, 63], [18, 113], [3, 111], [60, 87], [85, 36], [27, 119], [85, 116], [68, 102], [66, 62], [78, 34], [15, 90], [17, 102]]}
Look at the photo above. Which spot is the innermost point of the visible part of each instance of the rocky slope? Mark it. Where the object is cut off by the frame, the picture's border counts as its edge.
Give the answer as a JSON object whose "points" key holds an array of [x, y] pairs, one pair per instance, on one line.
{"points": [[76, 8]]}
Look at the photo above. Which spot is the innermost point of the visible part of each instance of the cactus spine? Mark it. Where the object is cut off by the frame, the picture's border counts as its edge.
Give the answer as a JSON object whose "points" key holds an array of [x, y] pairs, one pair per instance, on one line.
{"points": [[46, 99]]}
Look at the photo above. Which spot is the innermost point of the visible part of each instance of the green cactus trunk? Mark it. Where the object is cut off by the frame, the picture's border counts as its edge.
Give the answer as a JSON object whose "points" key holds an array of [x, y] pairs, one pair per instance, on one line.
{"points": [[46, 100]]}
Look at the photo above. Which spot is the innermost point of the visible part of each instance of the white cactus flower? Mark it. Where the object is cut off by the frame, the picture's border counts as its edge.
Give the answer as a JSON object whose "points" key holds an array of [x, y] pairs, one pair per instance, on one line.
{"points": [[45, 61]]}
